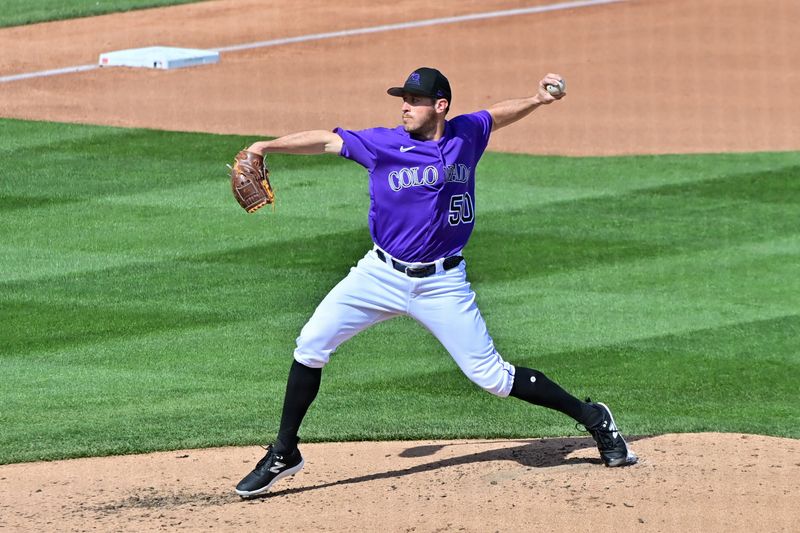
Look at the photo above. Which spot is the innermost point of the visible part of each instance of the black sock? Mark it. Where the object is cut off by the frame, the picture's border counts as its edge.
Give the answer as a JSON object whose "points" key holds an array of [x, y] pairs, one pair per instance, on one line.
{"points": [[534, 387], [301, 389]]}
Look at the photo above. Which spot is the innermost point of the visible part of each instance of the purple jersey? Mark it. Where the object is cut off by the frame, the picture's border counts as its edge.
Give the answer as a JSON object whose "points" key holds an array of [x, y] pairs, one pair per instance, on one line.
{"points": [[422, 193]]}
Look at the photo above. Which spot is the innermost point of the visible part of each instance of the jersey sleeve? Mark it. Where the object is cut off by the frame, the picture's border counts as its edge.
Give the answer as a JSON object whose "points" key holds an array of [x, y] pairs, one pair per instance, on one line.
{"points": [[358, 146], [480, 127]]}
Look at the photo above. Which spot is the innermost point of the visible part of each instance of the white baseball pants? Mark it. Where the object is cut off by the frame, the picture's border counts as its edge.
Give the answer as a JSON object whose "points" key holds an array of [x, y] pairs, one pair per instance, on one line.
{"points": [[444, 303]]}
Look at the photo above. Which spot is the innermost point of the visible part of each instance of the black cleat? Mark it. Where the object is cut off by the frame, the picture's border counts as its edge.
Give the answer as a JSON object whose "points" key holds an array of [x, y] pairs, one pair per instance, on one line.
{"points": [[270, 468], [613, 449]]}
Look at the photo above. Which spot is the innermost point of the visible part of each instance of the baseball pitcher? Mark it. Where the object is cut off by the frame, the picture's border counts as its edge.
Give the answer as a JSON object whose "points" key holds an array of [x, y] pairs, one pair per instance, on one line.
{"points": [[422, 212]]}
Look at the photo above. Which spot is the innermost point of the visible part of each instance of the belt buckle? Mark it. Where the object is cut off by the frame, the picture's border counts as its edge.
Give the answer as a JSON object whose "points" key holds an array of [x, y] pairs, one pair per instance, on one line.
{"points": [[418, 272]]}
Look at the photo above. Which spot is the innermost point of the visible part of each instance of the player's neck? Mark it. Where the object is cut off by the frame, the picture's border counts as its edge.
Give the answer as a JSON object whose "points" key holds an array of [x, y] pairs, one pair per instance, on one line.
{"points": [[434, 133]]}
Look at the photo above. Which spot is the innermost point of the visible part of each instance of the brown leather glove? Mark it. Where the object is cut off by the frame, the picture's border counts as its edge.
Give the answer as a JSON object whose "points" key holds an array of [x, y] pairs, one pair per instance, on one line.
{"points": [[250, 181]]}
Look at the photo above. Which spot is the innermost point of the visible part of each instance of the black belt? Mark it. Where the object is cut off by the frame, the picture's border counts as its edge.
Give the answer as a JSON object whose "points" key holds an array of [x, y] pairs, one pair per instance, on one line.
{"points": [[422, 271]]}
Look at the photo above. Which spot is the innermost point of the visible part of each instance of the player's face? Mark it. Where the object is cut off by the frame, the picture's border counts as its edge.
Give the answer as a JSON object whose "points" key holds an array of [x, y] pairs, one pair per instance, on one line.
{"points": [[419, 115]]}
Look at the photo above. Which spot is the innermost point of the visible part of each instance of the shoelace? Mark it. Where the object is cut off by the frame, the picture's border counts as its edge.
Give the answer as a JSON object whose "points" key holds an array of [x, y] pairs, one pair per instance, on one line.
{"points": [[605, 436], [266, 458]]}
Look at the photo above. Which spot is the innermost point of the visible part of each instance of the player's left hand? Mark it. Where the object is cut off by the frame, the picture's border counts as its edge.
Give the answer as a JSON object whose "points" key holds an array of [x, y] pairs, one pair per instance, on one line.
{"points": [[250, 181]]}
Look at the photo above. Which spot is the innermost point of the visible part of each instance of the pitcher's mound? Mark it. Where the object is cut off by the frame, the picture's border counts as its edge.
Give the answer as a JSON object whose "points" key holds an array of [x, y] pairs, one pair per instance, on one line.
{"points": [[687, 482]]}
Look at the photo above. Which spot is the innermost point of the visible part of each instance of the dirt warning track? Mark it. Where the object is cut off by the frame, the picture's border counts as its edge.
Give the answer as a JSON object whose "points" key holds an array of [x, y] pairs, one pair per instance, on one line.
{"points": [[644, 77]]}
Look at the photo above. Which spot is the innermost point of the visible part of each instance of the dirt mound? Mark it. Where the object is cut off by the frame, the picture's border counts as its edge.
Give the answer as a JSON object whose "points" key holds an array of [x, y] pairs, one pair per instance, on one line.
{"points": [[696, 482]]}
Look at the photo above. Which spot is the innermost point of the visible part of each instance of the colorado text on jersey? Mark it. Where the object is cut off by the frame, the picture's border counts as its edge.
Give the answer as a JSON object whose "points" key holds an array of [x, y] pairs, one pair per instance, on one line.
{"points": [[411, 177]]}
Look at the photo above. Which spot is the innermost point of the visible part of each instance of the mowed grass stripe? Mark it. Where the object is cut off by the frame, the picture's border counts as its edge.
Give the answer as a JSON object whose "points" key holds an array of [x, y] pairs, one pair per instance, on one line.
{"points": [[157, 315], [134, 214], [18, 12], [677, 289]]}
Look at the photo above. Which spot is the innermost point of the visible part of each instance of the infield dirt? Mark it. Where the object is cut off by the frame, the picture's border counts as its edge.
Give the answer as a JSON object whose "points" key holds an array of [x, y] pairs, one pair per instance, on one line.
{"points": [[698, 482], [676, 76]]}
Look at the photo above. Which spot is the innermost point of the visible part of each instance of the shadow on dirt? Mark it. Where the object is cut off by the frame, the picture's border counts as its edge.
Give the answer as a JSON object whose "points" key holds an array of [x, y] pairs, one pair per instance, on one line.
{"points": [[540, 453]]}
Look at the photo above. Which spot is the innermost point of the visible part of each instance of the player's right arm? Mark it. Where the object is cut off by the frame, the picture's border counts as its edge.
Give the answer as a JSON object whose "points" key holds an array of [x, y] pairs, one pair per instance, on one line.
{"points": [[305, 142], [509, 111]]}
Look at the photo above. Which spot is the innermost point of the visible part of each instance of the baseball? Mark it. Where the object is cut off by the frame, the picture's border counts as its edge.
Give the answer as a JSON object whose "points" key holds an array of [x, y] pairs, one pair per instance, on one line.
{"points": [[557, 89]]}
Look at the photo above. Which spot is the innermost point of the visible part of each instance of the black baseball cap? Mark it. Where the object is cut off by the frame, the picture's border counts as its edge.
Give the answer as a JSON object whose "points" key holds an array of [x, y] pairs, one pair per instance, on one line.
{"points": [[424, 81]]}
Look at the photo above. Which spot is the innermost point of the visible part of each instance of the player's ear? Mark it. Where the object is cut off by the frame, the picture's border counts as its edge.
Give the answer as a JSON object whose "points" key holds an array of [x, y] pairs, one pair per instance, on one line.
{"points": [[441, 105]]}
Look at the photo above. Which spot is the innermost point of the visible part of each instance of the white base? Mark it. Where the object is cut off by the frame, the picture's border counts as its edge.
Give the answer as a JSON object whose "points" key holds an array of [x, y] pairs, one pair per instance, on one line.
{"points": [[163, 57]]}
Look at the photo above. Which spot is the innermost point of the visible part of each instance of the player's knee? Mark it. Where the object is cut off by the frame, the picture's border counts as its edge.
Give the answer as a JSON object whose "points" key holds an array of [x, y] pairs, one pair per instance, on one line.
{"points": [[311, 351], [496, 388], [319, 338], [311, 360], [496, 378]]}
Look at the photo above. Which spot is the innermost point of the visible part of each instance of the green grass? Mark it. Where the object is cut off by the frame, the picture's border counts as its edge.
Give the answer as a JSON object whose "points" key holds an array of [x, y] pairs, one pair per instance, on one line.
{"points": [[141, 309], [19, 12]]}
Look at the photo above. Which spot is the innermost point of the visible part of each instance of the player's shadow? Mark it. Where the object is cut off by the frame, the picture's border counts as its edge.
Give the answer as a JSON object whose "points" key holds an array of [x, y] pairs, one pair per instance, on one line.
{"points": [[530, 453]]}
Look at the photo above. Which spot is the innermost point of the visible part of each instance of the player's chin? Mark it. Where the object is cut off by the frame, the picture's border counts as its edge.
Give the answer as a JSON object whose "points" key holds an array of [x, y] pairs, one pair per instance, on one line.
{"points": [[410, 127]]}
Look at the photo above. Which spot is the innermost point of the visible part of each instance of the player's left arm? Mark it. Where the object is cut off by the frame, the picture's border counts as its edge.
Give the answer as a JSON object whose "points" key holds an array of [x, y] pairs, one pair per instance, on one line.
{"points": [[509, 111]]}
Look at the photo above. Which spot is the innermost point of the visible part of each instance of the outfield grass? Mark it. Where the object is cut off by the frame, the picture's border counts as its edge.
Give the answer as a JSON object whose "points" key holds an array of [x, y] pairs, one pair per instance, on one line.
{"points": [[19, 12], [667, 286]]}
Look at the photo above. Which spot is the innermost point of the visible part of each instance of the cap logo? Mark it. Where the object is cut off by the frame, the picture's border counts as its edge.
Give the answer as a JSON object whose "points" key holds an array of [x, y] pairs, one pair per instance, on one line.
{"points": [[413, 79]]}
